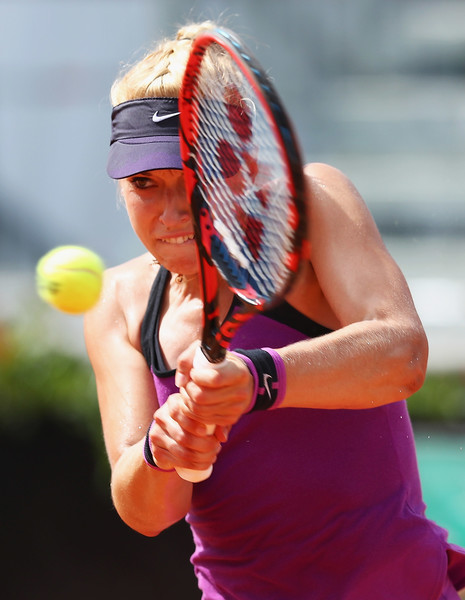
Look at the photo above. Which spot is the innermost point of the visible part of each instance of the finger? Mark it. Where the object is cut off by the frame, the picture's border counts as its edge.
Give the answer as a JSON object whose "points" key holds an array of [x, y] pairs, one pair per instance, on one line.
{"points": [[179, 423], [172, 435], [184, 365], [232, 371], [198, 454], [222, 433], [186, 416], [221, 406]]}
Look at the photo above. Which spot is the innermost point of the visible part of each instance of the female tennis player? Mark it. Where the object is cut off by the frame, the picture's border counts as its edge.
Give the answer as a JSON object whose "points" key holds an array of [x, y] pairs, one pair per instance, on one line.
{"points": [[315, 492]]}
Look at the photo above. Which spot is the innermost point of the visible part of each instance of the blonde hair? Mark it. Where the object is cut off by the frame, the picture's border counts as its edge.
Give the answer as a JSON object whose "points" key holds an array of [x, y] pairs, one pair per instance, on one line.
{"points": [[159, 74]]}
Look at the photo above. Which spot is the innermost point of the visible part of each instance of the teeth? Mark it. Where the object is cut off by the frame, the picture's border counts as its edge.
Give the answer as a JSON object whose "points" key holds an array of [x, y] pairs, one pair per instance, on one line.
{"points": [[179, 240]]}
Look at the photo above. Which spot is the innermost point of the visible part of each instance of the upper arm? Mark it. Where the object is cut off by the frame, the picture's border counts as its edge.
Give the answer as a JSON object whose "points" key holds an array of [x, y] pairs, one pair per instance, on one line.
{"points": [[357, 275], [125, 389]]}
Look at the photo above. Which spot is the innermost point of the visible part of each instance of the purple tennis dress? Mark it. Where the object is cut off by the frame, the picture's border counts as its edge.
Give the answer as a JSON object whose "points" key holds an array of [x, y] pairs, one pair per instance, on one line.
{"points": [[310, 504]]}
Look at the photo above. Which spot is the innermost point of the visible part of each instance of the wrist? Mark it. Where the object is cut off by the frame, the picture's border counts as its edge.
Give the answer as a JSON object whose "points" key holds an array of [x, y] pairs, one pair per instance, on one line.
{"points": [[148, 454], [269, 375]]}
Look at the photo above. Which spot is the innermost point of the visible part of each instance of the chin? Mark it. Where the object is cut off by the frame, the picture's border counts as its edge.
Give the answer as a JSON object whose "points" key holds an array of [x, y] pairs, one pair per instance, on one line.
{"points": [[177, 265]]}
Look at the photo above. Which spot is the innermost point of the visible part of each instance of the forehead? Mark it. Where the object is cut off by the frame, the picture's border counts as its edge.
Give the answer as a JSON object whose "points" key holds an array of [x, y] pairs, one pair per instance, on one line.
{"points": [[159, 173]]}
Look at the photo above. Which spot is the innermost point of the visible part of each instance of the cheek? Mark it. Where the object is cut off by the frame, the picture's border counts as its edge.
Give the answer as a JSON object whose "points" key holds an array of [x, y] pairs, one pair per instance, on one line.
{"points": [[132, 211], [141, 212], [141, 222], [138, 209]]}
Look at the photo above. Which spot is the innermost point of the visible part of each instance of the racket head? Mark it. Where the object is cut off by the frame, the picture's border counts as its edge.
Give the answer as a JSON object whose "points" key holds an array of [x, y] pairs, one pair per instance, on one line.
{"points": [[244, 178]]}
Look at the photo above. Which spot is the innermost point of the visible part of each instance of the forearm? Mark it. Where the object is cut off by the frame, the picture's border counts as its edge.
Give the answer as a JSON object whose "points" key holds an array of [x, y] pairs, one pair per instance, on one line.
{"points": [[359, 366], [146, 499]]}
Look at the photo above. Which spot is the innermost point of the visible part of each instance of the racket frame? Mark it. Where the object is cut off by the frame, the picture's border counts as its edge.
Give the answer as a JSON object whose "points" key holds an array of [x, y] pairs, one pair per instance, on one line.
{"points": [[216, 337]]}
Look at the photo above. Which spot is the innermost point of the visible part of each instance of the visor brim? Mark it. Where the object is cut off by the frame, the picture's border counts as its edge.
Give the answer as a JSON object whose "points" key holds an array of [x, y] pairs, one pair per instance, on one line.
{"points": [[130, 156]]}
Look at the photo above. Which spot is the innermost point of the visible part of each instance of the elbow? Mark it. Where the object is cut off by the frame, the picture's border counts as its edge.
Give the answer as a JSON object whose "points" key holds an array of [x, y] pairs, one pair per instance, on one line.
{"points": [[143, 512], [415, 361], [145, 524], [137, 520], [143, 530], [142, 526]]}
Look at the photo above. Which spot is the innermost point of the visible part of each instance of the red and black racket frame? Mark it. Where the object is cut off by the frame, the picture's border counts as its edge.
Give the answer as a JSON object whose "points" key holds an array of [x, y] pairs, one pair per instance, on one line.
{"points": [[216, 337]]}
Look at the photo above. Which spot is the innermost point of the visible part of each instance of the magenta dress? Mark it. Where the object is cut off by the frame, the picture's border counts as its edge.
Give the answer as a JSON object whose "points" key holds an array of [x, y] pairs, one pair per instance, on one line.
{"points": [[311, 504]]}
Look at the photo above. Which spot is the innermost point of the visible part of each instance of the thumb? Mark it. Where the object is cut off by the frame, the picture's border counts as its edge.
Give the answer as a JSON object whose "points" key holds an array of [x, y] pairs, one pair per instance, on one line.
{"points": [[184, 365]]}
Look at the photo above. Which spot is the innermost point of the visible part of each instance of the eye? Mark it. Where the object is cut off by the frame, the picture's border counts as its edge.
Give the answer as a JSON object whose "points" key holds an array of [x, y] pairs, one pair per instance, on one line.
{"points": [[142, 183]]}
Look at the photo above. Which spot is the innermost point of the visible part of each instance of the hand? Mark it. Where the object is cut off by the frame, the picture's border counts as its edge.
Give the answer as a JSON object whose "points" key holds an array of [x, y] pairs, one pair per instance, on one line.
{"points": [[211, 395], [178, 440]]}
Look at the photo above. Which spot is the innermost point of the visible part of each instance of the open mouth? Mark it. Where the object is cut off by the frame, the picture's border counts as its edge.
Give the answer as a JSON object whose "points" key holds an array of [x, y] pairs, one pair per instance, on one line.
{"points": [[182, 239]]}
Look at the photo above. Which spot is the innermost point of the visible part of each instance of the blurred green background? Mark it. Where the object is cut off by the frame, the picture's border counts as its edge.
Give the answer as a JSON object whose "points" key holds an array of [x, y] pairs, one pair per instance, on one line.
{"points": [[374, 88]]}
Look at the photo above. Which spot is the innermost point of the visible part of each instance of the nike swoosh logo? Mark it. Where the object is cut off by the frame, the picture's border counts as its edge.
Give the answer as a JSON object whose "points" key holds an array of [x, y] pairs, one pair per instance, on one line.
{"points": [[266, 377], [158, 118]]}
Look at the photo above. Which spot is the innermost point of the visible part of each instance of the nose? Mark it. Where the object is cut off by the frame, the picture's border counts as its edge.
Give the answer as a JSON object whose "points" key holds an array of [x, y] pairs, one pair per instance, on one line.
{"points": [[175, 210]]}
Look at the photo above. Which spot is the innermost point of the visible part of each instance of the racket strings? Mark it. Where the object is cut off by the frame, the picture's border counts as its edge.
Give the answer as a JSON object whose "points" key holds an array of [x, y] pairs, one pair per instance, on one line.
{"points": [[245, 184]]}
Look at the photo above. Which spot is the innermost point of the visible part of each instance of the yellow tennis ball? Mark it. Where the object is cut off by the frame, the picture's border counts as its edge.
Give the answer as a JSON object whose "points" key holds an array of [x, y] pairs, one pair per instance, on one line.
{"points": [[69, 278]]}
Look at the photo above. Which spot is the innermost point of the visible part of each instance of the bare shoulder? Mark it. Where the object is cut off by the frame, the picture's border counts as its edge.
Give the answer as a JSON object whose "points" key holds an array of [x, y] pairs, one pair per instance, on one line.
{"points": [[323, 171], [129, 271], [357, 275], [335, 204], [328, 182], [123, 300]]}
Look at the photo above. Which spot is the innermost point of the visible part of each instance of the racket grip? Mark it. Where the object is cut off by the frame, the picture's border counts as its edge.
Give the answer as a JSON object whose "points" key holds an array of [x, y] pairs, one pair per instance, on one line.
{"points": [[195, 475]]}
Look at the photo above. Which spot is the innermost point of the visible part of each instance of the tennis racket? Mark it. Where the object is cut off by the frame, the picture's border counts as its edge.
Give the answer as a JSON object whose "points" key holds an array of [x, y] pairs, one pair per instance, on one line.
{"points": [[245, 184]]}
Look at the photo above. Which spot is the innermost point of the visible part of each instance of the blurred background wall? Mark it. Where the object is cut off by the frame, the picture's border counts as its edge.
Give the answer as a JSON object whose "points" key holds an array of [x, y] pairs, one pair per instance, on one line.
{"points": [[375, 88]]}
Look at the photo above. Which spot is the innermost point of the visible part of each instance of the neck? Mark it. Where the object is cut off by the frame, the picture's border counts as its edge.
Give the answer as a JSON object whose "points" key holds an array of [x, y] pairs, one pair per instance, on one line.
{"points": [[178, 277], [183, 279]]}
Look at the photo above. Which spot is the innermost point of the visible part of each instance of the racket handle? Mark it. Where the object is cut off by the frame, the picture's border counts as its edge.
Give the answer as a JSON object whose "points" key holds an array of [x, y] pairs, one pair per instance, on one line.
{"points": [[195, 475]]}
